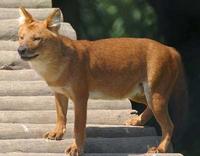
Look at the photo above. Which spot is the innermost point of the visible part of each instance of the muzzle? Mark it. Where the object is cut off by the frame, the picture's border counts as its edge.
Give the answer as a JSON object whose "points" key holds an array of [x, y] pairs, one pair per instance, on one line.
{"points": [[25, 53]]}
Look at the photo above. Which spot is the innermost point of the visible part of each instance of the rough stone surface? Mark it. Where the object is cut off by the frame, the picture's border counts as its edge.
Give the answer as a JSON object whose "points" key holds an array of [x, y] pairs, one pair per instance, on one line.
{"points": [[11, 60], [97, 145], [47, 103], [24, 88], [112, 117], [18, 75], [28, 131], [26, 3], [8, 45]]}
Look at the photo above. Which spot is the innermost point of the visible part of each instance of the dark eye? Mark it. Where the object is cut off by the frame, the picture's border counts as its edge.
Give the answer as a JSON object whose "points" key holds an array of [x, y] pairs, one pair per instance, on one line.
{"points": [[37, 38], [21, 37]]}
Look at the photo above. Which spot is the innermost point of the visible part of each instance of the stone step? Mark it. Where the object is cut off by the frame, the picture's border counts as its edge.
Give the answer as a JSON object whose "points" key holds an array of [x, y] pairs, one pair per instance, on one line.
{"points": [[10, 60], [9, 30], [24, 88], [13, 103], [13, 13], [25, 3], [28, 131], [89, 154], [112, 117], [97, 145], [19, 75], [8, 45]]}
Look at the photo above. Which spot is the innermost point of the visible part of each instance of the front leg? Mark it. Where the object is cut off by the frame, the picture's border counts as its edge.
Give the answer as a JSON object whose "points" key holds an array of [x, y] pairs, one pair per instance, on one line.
{"points": [[61, 110], [80, 110]]}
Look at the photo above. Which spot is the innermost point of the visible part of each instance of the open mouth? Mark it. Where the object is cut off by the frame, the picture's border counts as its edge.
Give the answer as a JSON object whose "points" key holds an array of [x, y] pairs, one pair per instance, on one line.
{"points": [[26, 58]]}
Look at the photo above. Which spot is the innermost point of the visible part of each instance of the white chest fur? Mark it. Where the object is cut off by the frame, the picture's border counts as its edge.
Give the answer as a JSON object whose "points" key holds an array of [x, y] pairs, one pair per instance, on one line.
{"points": [[45, 69], [40, 67]]}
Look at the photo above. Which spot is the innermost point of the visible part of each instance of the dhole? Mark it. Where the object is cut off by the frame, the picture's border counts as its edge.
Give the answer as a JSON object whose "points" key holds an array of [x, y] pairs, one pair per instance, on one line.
{"points": [[142, 70]]}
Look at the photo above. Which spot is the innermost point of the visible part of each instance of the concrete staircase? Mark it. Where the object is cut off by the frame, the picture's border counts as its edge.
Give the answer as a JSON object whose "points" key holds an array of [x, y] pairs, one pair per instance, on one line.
{"points": [[27, 107]]}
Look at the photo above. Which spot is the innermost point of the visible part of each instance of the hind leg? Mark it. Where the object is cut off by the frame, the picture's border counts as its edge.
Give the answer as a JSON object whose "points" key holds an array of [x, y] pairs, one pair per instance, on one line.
{"points": [[141, 119], [160, 111]]}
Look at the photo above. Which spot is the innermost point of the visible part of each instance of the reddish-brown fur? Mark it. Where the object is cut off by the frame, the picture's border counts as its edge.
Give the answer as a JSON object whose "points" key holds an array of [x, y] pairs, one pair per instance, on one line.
{"points": [[142, 70]]}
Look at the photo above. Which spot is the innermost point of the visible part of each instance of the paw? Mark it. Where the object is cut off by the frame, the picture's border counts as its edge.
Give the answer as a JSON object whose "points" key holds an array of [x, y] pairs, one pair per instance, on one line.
{"points": [[134, 122], [73, 151], [155, 150], [55, 134]]}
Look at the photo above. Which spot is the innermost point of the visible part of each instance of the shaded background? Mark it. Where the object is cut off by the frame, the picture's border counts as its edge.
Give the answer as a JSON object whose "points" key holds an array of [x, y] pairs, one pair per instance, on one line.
{"points": [[173, 22]]}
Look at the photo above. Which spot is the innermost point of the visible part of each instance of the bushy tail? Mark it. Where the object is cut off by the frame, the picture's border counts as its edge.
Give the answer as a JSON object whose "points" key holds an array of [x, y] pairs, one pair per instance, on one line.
{"points": [[178, 104]]}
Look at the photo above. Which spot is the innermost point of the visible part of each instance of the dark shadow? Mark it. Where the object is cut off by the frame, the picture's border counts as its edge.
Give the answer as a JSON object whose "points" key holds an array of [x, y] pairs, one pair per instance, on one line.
{"points": [[120, 131], [120, 139]]}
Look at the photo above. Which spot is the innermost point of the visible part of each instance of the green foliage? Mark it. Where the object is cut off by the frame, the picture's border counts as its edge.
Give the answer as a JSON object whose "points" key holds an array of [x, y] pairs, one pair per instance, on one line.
{"points": [[117, 18]]}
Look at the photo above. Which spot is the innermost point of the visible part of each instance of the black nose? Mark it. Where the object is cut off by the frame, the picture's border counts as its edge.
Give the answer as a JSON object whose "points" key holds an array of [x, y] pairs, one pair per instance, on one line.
{"points": [[22, 50]]}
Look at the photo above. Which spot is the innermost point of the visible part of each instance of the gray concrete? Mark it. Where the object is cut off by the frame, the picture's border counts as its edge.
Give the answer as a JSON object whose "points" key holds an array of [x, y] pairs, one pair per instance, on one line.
{"points": [[47, 103], [18, 75], [112, 117], [97, 145], [11, 60], [25, 3], [28, 131], [8, 45], [13, 13], [9, 30], [24, 88]]}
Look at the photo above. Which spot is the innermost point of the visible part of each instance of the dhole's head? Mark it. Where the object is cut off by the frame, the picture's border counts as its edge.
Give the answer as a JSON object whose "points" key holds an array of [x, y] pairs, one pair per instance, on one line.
{"points": [[36, 37]]}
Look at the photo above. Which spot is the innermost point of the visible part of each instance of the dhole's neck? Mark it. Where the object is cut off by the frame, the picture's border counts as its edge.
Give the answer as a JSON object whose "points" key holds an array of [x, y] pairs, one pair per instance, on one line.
{"points": [[56, 61]]}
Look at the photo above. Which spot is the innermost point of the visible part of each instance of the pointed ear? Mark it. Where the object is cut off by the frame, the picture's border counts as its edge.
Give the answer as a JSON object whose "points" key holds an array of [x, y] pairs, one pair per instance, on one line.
{"points": [[54, 20], [25, 16]]}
